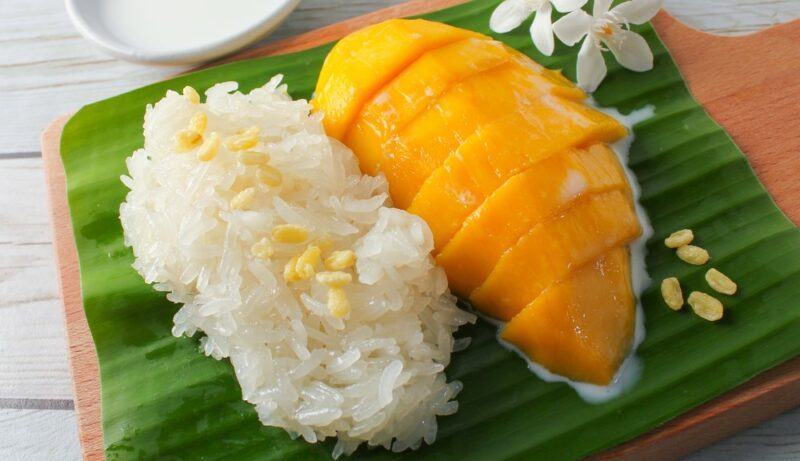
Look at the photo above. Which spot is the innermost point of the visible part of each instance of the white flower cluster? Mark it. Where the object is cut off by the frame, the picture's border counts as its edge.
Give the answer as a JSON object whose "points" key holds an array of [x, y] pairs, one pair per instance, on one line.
{"points": [[606, 29]]}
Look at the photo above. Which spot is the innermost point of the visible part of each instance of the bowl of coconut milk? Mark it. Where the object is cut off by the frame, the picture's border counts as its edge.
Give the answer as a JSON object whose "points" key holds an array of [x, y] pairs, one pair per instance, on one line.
{"points": [[176, 31]]}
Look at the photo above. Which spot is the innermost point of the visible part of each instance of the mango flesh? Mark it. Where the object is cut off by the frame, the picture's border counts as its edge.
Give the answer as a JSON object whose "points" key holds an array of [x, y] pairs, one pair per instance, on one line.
{"points": [[417, 87], [499, 150], [553, 248], [511, 145], [529, 208], [424, 144], [366, 60], [414, 90], [581, 327], [521, 203]]}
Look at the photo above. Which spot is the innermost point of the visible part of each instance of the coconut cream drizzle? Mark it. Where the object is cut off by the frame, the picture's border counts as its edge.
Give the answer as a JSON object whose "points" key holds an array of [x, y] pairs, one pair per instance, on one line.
{"points": [[631, 368]]}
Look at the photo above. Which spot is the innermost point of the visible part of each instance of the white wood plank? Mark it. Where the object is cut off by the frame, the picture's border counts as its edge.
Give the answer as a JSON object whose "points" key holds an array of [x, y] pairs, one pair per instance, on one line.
{"points": [[39, 435], [47, 69], [33, 354], [774, 440]]}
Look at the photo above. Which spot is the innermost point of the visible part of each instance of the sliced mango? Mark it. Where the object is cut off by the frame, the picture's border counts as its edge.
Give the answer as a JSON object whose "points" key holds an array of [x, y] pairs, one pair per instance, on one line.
{"points": [[517, 206], [421, 83], [414, 90], [424, 145], [529, 209], [366, 60], [558, 84], [499, 150], [446, 207], [505, 148], [552, 248], [582, 327]]}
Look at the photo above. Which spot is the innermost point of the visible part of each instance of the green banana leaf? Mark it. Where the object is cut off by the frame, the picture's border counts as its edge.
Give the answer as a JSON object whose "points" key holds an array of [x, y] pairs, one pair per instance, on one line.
{"points": [[162, 399]]}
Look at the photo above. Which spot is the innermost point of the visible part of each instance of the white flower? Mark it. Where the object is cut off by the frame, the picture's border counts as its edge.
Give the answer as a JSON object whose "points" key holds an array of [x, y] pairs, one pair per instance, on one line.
{"points": [[510, 14], [604, 31]]}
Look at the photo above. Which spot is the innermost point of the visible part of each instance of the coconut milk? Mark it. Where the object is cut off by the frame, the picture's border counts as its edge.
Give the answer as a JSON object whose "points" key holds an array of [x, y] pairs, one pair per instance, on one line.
{"points": [[176, 25]]}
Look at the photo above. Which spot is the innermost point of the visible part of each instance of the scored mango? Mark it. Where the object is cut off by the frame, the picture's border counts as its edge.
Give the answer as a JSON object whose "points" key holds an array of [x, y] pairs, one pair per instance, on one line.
{"points": [[426, 143], [499, 150], [553, 248], [529, 208], [414, 90], [524, 201], [583, 326], [366, 60]]}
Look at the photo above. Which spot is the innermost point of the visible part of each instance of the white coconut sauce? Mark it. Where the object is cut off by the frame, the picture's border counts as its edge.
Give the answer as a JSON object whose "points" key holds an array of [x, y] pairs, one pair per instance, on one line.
{"points": [[631, 368], [174, 25]]}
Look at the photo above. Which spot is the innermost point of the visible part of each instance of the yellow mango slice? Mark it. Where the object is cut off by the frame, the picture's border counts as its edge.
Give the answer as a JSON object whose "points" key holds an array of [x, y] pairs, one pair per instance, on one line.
{"points": [[421, 83], [558, 84], [528, 207], [499, 150], [582, 327], [364, 61], [505, 149], [424, 145], [552, 248], [517, 206], [414, 90], [447, 206]]}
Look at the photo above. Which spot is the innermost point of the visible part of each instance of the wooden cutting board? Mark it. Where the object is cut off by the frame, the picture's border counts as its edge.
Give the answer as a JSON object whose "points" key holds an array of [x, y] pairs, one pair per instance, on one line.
{"points": [[749, 84]]}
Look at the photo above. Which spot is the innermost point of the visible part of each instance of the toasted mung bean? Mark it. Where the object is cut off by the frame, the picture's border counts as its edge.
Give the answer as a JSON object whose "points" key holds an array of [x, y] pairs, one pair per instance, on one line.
{"points": [[693, 255], [340, 260], [324, 242], [198, 122], [208, 150], [720, 282], [289, 233], [307, 263], [706, 306], [679, 238], [247, 139], [290, 270], [191, 94], [250, 157], [672, 294], [338, 304], [335, 279], [187, 139], [243, 199]]}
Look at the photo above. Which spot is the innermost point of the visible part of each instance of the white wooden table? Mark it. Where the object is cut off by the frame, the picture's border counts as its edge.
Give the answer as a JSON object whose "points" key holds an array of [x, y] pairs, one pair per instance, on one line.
{"points": [[47, 69]]}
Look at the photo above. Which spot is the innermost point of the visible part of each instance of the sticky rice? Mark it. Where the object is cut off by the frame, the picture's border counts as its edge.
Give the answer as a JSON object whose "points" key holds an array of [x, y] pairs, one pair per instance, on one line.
{"points": [[200, 221]]}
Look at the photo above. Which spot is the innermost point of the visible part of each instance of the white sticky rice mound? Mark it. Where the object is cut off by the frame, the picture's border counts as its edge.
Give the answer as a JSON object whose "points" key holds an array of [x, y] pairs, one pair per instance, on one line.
{"points": [[375, 376]]}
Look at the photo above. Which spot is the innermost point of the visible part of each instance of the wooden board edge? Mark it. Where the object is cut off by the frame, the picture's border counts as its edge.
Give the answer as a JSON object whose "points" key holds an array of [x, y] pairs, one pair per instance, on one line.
{"points": [[769, 394], [735, 79], [82, 352]]}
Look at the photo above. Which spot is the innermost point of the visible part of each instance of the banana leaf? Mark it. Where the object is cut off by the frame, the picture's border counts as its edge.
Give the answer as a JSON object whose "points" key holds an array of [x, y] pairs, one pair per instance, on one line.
{"points": [[162, 399]]}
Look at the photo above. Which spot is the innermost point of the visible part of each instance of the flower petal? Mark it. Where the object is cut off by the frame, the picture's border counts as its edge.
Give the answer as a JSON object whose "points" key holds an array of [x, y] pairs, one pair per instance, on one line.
{"points": [[510, 14], [600, 7], [542, 30], [631, 50], [565, 6], [572, 27], [591, 65], [638, 11]]}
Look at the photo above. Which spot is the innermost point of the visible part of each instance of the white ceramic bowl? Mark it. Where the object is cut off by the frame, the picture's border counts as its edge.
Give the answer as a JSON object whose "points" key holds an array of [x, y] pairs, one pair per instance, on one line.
{"points": [[176, 31]]}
